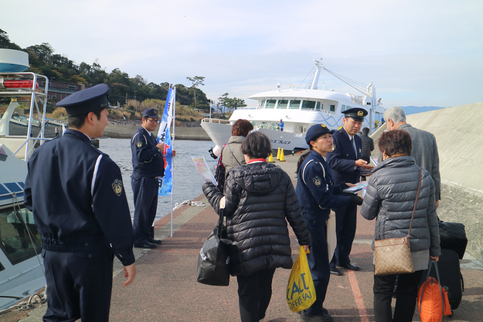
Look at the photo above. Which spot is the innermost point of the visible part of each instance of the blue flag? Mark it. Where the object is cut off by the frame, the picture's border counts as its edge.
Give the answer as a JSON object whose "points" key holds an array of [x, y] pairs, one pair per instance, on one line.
{"points": [[164, 136]]}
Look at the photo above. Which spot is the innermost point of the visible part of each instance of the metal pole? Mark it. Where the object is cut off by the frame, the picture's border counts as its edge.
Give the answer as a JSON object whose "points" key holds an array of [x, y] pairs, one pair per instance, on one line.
{"points": [[172, 159]]}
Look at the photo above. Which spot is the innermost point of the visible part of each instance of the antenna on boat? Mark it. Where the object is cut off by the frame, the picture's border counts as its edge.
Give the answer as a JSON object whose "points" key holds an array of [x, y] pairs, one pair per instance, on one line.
{"points": [[318, 67]]}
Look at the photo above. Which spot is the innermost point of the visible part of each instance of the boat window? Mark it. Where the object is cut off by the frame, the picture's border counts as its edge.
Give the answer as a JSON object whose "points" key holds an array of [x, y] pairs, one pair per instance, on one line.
{"points": [[294, 104], [319, 106], [332, 108], [308, 105], [262, 104], [270, 104], [17, 231], [342, 108], [282, 104]]}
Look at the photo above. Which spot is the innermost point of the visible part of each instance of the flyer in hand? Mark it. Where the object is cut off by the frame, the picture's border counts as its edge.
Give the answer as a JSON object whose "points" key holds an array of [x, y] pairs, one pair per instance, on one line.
{"points": [[358, 186], [203, 169]]}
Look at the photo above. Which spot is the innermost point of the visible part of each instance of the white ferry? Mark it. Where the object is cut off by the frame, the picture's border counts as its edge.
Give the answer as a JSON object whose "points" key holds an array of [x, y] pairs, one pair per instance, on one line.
{"points": [[21, 266], [299, 109]]}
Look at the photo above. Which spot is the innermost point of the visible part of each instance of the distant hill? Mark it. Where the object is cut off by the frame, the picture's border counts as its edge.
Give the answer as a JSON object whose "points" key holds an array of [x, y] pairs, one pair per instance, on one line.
{"points": [[419, 109]]}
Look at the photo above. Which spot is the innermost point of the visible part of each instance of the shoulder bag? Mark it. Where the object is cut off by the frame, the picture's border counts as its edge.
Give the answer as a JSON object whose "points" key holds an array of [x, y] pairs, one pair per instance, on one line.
{"points": [[214, 256], [393, 255]]}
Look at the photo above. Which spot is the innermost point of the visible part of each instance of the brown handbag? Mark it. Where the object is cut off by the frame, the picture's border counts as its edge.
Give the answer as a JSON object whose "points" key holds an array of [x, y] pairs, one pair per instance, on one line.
{"points": [[393, 255]]}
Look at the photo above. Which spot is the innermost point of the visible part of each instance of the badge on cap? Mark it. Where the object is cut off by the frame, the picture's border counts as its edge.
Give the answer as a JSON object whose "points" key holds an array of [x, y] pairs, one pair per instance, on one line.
{"points": [[117, 187], [360, 113]]}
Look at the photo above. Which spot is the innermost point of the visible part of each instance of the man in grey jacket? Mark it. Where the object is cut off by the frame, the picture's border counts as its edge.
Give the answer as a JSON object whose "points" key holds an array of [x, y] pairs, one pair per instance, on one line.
{"points": [[425, 149]]}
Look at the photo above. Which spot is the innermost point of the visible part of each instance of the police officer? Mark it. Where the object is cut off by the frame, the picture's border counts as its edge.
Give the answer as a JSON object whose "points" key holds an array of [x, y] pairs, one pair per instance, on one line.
{"points": [[346, 163], [77, 197], [317, 194], [148, 169]]}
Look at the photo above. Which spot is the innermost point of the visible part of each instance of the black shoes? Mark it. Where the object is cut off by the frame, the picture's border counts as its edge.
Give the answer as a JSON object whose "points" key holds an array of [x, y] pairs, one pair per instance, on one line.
{"points": [[350, 266], [335, 271], [155, 241], [325, 317], [145, 245]]}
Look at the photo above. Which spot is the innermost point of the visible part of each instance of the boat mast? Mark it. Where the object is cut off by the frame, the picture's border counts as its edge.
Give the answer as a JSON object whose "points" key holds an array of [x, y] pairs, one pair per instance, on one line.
{"points": [[318, 67]]}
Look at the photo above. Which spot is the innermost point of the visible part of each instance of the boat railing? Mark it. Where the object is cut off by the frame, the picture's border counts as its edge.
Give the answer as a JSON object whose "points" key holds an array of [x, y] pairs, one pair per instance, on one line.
{"points": [[220, 121], [25, 85]]}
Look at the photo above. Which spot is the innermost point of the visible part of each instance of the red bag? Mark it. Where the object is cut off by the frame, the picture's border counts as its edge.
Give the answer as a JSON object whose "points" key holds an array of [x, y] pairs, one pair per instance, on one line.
{"points": [[433, 300]]}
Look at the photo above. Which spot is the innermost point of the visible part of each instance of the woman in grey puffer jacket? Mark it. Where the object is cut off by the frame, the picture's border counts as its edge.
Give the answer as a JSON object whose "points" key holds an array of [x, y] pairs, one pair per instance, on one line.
{"points": [[259, 200], [390, 198]]}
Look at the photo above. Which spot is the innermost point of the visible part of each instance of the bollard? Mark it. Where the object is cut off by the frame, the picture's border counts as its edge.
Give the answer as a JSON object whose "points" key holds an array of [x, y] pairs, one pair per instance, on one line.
{"points": [[282, 157], [270, 158]]}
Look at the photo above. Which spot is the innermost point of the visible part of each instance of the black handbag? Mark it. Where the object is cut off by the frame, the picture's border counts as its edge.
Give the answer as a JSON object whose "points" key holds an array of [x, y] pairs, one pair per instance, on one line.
{"points": [[214, 257], [452, 235]]}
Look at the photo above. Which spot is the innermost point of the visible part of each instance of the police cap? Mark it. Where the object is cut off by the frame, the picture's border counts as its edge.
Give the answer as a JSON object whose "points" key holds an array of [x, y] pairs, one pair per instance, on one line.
{"points": [[356, 113], [87, 100], [315, 131], [150, 112]]}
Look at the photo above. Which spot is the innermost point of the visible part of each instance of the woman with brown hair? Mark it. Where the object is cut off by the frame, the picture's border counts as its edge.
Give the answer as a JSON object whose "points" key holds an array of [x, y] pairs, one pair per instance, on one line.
{"points": [[390, 198], [232, 155]]}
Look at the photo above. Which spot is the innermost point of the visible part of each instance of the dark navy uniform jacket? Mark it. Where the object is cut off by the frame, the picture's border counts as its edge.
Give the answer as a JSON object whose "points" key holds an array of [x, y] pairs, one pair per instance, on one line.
{"points": [[147, 161], [316, 190], [342, 159], [77, 197]]}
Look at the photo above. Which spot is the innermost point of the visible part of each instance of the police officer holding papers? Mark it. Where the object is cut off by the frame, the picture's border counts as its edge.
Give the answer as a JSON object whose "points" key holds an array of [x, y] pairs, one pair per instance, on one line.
{"points": [[346, 163], [77, 197]]}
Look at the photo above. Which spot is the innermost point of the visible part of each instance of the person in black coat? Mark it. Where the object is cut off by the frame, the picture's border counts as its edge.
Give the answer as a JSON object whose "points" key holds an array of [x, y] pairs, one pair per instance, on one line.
{"points": [[346, 163], [367, 145], [80, 209], [259, 200]]}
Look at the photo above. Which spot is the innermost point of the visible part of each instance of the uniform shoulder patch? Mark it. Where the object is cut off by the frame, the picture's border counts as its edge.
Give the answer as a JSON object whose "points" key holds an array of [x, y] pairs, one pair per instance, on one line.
{"points": [[317, 181], [139, 143], [117, 187]]}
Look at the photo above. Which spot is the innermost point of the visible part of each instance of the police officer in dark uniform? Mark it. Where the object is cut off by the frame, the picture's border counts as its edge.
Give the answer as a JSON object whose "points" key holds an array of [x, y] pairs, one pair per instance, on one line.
{"points": [[148, 169], [317, 194], [346, 163], [77, 197]]}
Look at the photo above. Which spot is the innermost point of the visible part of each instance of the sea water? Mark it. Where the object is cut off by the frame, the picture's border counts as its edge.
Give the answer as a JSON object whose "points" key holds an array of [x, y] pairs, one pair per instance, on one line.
{"points": [[187, 181]]}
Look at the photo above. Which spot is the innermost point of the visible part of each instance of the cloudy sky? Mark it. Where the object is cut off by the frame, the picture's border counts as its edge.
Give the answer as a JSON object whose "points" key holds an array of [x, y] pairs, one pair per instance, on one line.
{"points": [[423, 53]]}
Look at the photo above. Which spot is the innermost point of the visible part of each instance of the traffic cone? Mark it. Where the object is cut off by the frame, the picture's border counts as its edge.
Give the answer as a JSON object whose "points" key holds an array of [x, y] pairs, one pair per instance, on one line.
{"points": [[270, 158], [282, 156], [278, 154]]}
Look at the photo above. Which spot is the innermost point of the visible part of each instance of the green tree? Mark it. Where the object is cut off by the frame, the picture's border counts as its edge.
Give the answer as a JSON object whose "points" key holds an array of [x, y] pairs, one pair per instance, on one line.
{"points": [[5, 41], [196, 81]]}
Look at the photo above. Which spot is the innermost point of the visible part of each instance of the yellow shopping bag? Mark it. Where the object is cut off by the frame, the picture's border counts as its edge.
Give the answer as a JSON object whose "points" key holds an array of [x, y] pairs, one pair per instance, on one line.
{"points": [[300, 289]]}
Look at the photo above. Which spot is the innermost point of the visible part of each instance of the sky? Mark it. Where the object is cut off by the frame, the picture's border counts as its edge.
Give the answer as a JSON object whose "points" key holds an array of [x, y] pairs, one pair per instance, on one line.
{"points": [[417, 53]]}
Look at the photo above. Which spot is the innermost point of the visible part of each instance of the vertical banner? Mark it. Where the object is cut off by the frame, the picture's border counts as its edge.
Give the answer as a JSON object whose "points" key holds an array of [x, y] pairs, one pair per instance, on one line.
{"points": [[165, 137]]}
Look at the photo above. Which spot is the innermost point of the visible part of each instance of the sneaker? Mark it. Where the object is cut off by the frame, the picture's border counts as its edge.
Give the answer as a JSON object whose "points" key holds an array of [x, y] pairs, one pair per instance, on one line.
{"points": [[315, 318]]}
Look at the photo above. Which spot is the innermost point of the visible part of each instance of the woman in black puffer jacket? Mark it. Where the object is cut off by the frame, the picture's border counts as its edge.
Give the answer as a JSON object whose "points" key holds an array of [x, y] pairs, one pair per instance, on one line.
{"points": [[390, 198], [259, 200]]}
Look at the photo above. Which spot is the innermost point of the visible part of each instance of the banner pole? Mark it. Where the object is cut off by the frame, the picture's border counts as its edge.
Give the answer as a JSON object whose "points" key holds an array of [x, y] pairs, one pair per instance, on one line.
{"points": [[172, 159]]}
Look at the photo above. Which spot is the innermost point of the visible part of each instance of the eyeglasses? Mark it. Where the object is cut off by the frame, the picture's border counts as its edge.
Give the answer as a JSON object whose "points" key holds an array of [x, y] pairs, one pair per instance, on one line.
{"points": [[153, 120]]}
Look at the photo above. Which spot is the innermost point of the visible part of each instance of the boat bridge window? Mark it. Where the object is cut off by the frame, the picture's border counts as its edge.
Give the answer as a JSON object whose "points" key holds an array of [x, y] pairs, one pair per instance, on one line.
{"points": [[294, 104], [282, 104], [308, 105], [262, 104], [17, 229], [332, 108], [270, 104], [319, 106]]}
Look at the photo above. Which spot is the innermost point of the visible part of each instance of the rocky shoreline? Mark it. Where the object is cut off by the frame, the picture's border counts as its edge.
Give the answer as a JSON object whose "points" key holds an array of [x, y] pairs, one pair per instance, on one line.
{"points": [[125, 130]]}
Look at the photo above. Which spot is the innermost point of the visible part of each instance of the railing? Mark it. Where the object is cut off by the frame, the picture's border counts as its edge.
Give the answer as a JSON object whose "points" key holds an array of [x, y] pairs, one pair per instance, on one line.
{"points": [[220, 121]]}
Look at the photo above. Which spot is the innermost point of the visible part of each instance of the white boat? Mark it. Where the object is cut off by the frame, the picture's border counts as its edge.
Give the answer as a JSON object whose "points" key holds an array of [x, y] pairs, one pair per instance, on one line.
{"points": [[21, 266], [299, 109]]}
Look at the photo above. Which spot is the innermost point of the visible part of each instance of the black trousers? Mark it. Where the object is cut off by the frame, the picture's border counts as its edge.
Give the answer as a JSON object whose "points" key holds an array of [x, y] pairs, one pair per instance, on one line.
{"points": [[145, 193], [346, 222], [79, 285], [406, 294], [254, 294], [318, 259]]}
